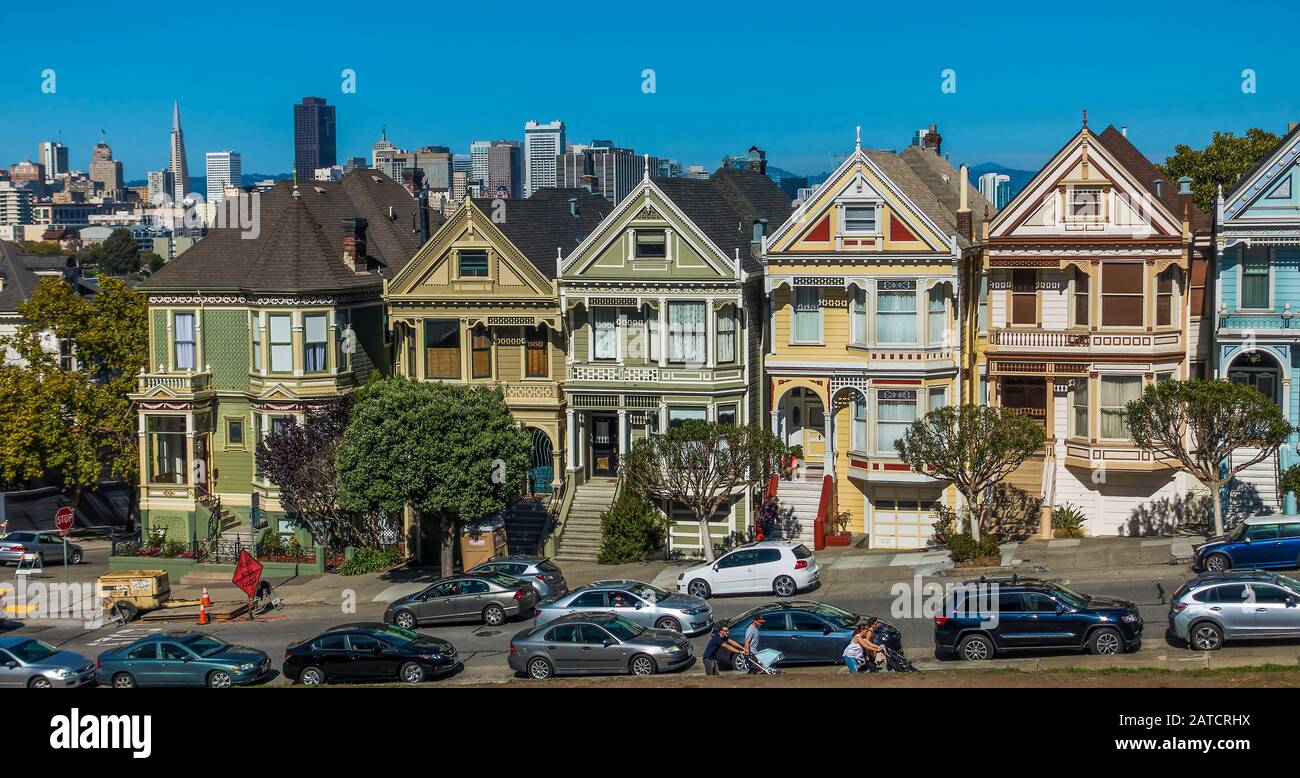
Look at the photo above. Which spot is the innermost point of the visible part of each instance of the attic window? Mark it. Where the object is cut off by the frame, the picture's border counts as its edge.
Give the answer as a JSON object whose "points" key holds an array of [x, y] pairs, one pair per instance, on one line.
{"points": [[473, 264], [1083, 203], [651, 243], [860, 219]]}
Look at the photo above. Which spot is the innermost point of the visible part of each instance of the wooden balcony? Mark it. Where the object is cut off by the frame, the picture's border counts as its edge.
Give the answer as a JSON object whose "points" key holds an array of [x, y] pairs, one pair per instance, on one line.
{"points": [[187, 383], [1102, 343]]}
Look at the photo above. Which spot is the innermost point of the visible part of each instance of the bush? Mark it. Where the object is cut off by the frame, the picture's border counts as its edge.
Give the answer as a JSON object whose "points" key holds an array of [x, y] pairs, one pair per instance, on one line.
{"points": [[964, 548], [631, 530], [368, 560], [1067, 521]]}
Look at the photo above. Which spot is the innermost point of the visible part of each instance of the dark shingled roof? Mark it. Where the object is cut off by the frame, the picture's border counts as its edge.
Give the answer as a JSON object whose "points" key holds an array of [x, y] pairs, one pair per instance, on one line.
{"points": [[543, 223], [300, 244], [19, 280], [944, 182], [726, 205], [1146, 173]]}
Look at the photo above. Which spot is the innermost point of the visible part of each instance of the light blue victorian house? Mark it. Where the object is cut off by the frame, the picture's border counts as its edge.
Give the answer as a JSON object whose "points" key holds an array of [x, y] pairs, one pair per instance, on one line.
{"points": [[1257, 336]]}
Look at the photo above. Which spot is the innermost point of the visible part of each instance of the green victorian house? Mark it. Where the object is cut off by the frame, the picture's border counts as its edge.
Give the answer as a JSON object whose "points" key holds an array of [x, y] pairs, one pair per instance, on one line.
{"points": [[251, 327], [664, 315]]}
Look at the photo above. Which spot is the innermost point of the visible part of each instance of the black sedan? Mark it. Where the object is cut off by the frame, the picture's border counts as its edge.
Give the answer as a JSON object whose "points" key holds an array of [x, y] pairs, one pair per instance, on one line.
{"points": [[368, 652]]}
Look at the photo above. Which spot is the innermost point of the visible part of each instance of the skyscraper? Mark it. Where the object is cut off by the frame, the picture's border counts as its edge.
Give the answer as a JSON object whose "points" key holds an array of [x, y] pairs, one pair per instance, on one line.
{"points": [[505, 174], [179, 165], [160, 186], [313, 137], [104, 170], [996, 188], [478, 162], [223, 169], [54, 156], [542, 144]]}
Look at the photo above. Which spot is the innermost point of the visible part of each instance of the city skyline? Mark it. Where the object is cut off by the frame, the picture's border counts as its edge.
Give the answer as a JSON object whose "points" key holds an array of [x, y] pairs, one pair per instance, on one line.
{"points": [[701, 104]]}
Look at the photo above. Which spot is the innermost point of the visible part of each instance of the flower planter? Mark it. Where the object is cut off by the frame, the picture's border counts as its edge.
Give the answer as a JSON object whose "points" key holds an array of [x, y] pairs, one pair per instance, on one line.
{"points": [[839, 540]]}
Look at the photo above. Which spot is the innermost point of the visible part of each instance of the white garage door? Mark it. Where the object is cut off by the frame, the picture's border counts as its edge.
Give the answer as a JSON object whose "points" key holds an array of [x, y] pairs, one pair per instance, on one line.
{"points": [[902, 517]]}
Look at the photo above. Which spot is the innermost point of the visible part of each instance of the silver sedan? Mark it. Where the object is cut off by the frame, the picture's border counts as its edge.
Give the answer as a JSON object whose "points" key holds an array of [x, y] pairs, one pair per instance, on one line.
{"points": [[597, 643], [36, 664], [636, 601]]}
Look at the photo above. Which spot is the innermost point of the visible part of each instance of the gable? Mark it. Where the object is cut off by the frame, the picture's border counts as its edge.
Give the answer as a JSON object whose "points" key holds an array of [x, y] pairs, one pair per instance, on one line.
{"points": [[858, 209], [1273, 190], [647, 238], [1082, 191], [440, 267]]}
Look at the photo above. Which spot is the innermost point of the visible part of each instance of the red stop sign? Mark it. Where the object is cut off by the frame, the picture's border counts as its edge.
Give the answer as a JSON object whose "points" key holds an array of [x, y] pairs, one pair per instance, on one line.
{"points": [[63, 519]]}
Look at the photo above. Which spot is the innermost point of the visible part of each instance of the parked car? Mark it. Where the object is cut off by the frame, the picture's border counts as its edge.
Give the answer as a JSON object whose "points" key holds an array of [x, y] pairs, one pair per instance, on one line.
{"points": [[636, 601], [540, 571], [36, 664], [991, 616], [368, 652], [780, 567], [1265, 542], [1235, 605], [491, 598], [805, 632], [596, 643], [182, 659], [47, 545]]}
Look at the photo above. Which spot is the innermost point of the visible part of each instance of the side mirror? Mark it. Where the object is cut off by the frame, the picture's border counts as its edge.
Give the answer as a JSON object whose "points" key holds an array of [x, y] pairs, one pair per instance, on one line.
{"points": [[1060, 609], [639, 605], [1247, 541], [1290, 602], [607, 642], [715, 567], [11, 664], [827, 630]]}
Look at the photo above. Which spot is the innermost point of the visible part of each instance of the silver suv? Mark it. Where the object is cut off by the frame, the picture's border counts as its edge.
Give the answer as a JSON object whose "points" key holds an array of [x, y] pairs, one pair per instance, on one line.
{"points": [[1235, 605]]}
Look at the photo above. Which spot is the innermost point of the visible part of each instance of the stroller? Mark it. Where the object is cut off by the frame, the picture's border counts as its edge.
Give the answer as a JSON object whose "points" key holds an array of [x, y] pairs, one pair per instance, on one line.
{"points": [[764, 662], [895, 660]]}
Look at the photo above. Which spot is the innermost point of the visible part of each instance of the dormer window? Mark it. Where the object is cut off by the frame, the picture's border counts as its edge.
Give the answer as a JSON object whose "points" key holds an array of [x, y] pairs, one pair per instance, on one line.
{"points": [[473, 264], [651, 244], [860, 219], [1083, 204]]}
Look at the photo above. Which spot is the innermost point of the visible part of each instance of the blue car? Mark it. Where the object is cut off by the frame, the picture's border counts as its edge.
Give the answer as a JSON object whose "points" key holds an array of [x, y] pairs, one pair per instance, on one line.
{"points": [[805, 632], [1264, 542], [182, 659]]}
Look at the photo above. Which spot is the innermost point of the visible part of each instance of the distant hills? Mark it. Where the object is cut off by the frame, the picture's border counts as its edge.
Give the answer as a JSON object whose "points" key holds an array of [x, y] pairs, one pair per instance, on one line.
{"points": [[1018, 177], [200, 183]]}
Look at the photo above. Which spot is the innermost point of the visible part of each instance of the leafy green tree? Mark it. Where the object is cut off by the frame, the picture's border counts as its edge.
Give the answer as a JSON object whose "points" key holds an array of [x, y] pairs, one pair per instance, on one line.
{"points": [[1199, 424], [1221, 163], [702, 466], [152, 261], [120, 254], [975, 447], [449, 451], [73, 418]]}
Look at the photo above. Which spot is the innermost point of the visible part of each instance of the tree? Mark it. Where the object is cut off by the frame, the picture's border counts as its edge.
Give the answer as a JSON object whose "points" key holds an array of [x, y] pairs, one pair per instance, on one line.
{"points": [[1199, 424], [447, 450], [78, 423], [152, 261], [300, 460], [1221, 163], [702, 465], [120, 254], [975, 447]]}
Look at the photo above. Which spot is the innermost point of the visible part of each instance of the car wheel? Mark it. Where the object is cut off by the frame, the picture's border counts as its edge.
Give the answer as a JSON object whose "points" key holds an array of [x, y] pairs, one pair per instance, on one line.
{"points": [[1217, 563], [311, 676], [411, 672], [739, 663], [699, 588], [218, 679], [540, 669], [784, 586], [124, 681], [39, 682], [975, 648], [405, 620], [1105, 642], [1206, 636], [74, 558], [642, 665], [668, 622], [494, 615]]}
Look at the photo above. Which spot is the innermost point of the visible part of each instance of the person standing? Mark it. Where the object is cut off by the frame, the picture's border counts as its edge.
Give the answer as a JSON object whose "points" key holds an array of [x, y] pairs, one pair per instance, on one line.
{"points": [[720, 641], [752, 640]]}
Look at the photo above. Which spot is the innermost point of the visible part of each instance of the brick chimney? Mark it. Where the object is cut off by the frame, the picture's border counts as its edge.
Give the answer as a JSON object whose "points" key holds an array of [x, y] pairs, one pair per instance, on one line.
{"points": [[757, 160], [933, 140], [354, 244]]}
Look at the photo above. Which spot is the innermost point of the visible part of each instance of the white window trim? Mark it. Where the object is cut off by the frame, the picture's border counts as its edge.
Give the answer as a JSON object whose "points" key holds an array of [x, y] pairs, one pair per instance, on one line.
{"points": [[919, 313], [821, 317], [874, 428], [844, 214]]}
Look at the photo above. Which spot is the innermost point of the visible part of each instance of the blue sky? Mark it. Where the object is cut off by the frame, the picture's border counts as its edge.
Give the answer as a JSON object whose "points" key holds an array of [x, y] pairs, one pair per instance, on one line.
{"points": [[793, 78]]}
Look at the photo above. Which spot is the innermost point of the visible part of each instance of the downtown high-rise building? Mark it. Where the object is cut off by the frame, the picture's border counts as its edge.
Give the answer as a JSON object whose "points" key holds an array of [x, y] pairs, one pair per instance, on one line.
{"points": [[314, 137], [996, 188], [609, 170], [54, 156], [106, 171], [178, 164], [478, 162], [505, 169], [223, 169], [160, 185], [543, 143]]}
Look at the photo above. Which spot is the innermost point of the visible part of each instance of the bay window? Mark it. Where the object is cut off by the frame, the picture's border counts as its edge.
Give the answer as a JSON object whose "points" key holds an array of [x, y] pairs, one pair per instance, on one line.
{"points": [[858, 433], [652, 333], [895, 412], [937, 316], [535, 346], [936, 397], [281, 332], [480, 353], [727, 334], [1081, 310], [604, 333], [441, 348], [1165, 297], [185, 341], [314, 340], [686, 333], [1079, 409], [257, 343], [896, 312], [167, 457], [807, 315], [858, 317], [1116, 393]]}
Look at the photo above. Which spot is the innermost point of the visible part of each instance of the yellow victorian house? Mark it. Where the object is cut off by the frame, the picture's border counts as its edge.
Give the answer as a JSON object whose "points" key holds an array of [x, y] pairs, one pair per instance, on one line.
{"points": [[862, 283]]}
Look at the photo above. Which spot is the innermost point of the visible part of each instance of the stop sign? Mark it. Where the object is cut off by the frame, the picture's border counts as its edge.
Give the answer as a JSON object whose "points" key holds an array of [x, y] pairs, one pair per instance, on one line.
{"points": [[63, 519]]}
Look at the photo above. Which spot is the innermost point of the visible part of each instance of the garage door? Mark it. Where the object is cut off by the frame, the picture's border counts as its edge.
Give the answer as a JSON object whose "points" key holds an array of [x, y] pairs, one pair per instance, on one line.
{"points": [[902, 517]]}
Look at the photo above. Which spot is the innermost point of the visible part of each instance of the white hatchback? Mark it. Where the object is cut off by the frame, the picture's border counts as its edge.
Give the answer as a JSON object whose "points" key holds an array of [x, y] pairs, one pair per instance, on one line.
{"points": [[781, 567]]}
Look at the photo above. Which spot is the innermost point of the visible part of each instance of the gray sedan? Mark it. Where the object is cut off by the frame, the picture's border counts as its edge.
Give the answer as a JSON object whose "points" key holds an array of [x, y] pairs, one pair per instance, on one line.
{"points": [[540, 571], [47, 545], [597, 643], [36, 664], [490, 598], [636, 601]]}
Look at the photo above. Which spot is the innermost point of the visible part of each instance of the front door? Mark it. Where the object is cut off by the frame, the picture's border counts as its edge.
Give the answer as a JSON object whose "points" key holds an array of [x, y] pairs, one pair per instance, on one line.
{"points": [[604, 445], [807, 426]]}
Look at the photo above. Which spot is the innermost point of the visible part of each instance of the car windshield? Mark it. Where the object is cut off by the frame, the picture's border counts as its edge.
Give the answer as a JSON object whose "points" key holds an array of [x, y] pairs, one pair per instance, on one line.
{"points": [[648, 592], [203, 645], [1071, 597], [1289, 582], [33, 651], [840, 615], [621, 628]]}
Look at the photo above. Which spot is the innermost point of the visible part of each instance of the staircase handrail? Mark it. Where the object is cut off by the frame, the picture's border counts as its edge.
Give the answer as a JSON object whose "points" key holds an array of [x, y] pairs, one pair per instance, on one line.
{"points": [[550, 542], [823, 508]]}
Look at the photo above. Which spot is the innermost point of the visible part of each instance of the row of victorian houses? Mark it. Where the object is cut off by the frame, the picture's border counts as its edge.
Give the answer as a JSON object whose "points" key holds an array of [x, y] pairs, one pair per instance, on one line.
{"points": [[891, 290]]}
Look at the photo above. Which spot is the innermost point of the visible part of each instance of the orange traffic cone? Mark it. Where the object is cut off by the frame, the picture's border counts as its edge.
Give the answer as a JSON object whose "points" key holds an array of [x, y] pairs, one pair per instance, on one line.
{"points": [[203, 614], [206, 602]]}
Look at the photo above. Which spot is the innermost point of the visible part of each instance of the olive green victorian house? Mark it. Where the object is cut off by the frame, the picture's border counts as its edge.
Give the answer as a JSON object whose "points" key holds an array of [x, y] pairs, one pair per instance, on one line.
{"points": [[664, 315], [251, 327]]}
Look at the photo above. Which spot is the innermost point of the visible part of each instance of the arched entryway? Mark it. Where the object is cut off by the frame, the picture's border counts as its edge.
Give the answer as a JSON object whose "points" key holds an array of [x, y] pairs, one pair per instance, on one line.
{"points": [[804, 422], [1260, 369], [541, 465]]}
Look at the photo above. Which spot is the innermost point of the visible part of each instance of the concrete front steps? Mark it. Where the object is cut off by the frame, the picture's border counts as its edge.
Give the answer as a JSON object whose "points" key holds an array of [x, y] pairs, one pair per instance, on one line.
{"points": [[801, 498], [580, 541]]}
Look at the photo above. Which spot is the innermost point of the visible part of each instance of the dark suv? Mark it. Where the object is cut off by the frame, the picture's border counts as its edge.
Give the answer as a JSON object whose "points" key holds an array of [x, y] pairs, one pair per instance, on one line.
{"points": [[988, 616]]}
